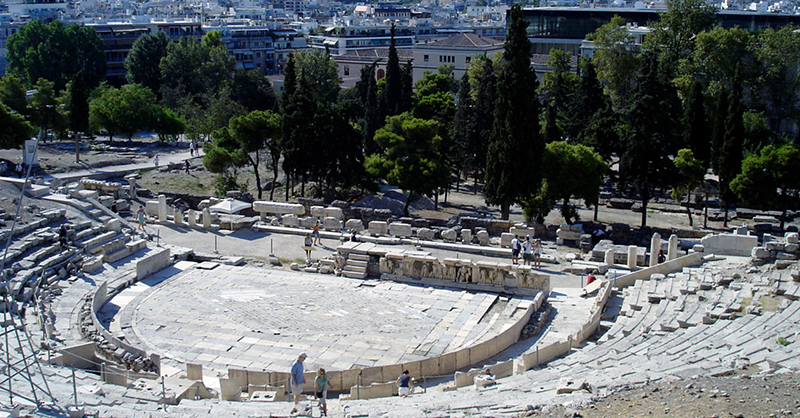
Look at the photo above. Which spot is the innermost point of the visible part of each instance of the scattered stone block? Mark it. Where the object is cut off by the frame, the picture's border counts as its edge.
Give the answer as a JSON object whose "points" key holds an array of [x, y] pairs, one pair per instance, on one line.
{"points": [[791, 248], [332, 224], [774, 246], [278, 208], [729, 244], [483, 237], [505, 239], [333, 212], [399, 229], [426, 233], [354, 225], [792, 238], [308, 222], [290, 220], [318, 212], [449, 235], [466, 236], [378, 228], [759, 252]]}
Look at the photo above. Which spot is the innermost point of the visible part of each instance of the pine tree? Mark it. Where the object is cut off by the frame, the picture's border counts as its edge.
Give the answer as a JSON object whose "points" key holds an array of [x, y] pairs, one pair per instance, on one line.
{"points": [[513, 169], [585, 101]]}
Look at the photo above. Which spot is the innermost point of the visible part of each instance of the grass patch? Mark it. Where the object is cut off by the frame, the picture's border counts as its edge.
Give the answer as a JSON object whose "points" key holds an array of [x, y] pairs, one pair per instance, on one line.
{"points": [[769, 303], [783, 341]]}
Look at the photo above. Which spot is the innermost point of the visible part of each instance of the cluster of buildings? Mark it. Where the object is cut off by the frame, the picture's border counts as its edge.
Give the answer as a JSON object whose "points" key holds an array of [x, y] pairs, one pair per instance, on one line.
{"points": [[261, 34]]}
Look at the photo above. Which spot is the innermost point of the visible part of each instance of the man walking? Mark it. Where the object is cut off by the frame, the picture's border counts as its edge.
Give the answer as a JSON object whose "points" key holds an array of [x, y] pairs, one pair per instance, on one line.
{"points": [[297, 380]]}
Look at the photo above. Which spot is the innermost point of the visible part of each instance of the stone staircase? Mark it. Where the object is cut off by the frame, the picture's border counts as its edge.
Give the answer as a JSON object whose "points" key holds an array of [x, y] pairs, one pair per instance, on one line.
{"points": [[356, 266]]}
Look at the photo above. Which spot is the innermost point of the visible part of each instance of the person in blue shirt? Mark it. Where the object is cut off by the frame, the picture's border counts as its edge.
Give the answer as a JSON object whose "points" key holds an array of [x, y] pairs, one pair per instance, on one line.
{"points": [[404, 384], [297, 379]]}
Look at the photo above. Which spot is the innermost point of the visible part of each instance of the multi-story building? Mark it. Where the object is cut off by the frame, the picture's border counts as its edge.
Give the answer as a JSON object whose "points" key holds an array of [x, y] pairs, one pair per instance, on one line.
{"points": [[351, 63], [566, 27], [118, 38], [458, 51], [44, 10], [262, 48], [341, 39]]}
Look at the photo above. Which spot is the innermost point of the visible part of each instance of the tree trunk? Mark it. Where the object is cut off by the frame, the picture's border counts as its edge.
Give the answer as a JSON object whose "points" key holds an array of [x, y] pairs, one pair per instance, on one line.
{"points": [[689, 209], [255, 163], [596, 205], [725, 219], [705, 210], [274, 180], [436, 201], [565, 203], [408, 202], [644, 209], [288, 183], [505, 208], [303, 186], [77, 147]]}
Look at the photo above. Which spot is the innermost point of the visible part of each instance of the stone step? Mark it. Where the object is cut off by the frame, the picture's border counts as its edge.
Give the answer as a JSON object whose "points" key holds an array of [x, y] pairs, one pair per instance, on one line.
{"points": [[356, 264], [358, 257], [354, 274]]}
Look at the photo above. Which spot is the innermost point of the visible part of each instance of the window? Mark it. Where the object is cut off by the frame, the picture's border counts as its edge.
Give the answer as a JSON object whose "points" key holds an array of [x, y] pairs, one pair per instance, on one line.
{"points": [[258, 55], [425, 58], [346, 70], [469, 59]]}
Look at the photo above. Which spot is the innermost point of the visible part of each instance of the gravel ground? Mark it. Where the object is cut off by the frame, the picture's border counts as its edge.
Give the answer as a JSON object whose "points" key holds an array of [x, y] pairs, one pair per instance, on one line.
{"points": [[770, 394]]}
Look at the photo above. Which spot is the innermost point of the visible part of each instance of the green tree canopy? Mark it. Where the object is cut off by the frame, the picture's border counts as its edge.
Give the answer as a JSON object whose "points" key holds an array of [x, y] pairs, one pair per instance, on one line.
{"points": [[144, 59], [14, 129], [125, 111], [691, 172], [770, 179], [44, 105], [56, 52], [615, 58], [569, 171], [410, 156], [13, 94]]}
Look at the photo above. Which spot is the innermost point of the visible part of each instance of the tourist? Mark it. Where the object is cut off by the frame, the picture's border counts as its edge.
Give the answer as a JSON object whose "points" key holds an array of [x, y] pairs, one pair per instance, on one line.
{"points": [[404, 384], [141, 218], [3, 167], [591, 278], [19, 170], [315, 234], [321, 384], [297, 380], [661, 257], [485, 378], [307, 246], [62, 235], [187, 166], [526, 251], [191, 148], [537, 253], [514, 250], [155, 161], [354, 236]]}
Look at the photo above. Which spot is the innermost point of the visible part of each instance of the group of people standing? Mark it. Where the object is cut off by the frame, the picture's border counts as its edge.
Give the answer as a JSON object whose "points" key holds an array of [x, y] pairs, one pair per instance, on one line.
{"points": [[531, 250], [405, 384]]}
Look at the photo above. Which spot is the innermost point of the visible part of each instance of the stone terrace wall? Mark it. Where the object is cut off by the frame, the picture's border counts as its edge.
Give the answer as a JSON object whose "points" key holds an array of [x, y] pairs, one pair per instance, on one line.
{"points": [[345, 380]]}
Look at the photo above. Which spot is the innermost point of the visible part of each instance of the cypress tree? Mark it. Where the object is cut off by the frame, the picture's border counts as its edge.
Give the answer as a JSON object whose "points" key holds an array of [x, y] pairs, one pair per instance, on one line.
{"points": [[371, 117], [696, 131], [730, 163], [390, 96], [288, 107], [513, 160], [649, 133], [464, 126]]}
